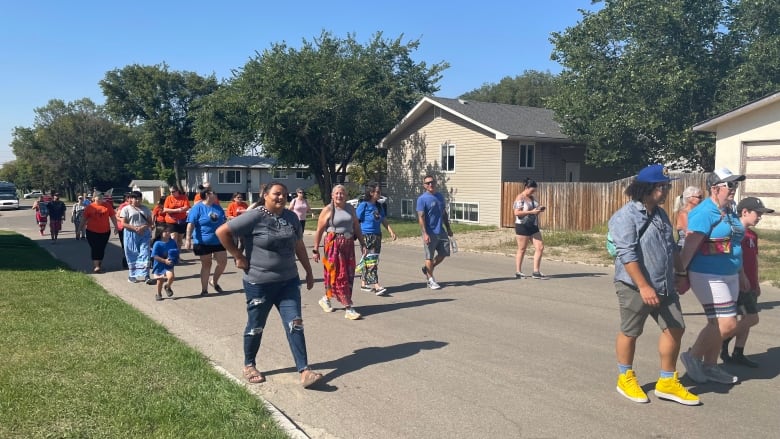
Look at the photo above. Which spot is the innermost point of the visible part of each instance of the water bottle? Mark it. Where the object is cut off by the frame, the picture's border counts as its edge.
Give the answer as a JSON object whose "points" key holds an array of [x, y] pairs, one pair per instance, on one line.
{"points": [[453, 245]]}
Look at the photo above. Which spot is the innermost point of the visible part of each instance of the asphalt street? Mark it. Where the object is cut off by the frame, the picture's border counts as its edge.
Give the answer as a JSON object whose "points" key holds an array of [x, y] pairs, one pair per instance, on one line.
{"points": [[487, 356]]}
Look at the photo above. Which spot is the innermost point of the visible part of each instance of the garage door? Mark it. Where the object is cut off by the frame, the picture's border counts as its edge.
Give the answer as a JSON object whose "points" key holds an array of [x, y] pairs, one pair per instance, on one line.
{"points": [[761, 165]]}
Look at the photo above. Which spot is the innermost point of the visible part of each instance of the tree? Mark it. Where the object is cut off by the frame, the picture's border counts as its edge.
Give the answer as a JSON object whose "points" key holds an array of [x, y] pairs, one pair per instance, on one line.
{"points": [[638, 74], [161, 103], [330, 101], [73, 146], [529, 89]]}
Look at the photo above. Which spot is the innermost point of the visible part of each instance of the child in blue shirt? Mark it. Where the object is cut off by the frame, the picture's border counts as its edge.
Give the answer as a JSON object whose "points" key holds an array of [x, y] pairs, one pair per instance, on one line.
{"points": [[165, 254]]}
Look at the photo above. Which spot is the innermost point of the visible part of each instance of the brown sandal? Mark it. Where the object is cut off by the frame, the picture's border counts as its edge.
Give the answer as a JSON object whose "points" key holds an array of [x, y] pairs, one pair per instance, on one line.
{"points": [[309, 378], [253, 375]]}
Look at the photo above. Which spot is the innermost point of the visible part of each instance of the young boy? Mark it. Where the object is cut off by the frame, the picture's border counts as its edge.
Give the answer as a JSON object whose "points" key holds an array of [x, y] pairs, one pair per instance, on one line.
{"points": [[165, 255], [750, 210]]}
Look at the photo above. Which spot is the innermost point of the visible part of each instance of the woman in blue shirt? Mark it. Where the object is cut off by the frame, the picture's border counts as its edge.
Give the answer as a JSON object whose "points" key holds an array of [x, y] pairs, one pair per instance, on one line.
{"points": [[371, 215], [713, 254], [202, 222]]}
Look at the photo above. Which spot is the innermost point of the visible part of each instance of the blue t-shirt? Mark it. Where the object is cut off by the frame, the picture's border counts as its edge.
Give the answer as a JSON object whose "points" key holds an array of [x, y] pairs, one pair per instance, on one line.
{"points": [[205, 220], [706, 219], [370, 217], [432, 206], [163, 250]]}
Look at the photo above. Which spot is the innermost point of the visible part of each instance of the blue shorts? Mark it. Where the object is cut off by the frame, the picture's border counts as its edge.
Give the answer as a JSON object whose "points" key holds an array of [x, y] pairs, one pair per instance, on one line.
{"points": [[440, 244]]}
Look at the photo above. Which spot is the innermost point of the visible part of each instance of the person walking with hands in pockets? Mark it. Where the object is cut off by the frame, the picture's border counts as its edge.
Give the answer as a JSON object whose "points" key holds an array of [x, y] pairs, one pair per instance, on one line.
{"points": [[646, 266], [433, 220], [527, 211]]}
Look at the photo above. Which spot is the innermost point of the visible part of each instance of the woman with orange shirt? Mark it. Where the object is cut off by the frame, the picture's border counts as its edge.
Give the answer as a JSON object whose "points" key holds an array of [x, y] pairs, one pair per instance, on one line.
{"points": [[95, 221], [176, 207], [236, 208]]}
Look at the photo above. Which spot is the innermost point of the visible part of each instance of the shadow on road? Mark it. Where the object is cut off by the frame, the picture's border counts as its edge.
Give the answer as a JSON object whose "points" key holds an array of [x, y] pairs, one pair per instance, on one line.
{"points": [[367, 310]]}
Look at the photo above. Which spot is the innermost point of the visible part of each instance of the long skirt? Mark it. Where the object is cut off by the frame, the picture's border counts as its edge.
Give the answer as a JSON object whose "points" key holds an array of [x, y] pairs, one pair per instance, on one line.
{"points": [[137, 252], [339, 261]]}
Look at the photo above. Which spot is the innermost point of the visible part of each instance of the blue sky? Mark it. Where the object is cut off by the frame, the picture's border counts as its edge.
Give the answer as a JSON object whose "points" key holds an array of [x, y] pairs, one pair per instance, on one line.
{"points": [[61, 50]]}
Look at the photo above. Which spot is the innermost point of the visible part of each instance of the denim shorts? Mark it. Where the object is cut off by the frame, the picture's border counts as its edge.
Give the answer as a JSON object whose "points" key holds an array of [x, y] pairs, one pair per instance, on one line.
{"points": [[440, 244], [634, 311]]}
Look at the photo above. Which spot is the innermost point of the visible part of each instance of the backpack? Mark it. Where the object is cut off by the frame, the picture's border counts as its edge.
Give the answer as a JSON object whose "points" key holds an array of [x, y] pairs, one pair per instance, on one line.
{"points": [[612, 248]]}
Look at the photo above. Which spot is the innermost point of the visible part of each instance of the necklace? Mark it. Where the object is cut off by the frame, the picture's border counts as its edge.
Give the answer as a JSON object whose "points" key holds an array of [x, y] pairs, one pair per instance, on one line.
{"points": [[279, 220]]}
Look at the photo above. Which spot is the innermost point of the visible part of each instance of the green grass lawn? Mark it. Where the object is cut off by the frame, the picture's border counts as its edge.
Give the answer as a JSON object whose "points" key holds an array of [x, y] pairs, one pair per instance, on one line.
{"points": [[80, 363]]}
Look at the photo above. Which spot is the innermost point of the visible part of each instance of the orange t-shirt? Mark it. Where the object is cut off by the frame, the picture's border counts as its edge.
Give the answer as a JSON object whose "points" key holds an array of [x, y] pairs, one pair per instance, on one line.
{"points": [[236, 208], [120, 225], [158, 214], [174, 202], [97, 216]]}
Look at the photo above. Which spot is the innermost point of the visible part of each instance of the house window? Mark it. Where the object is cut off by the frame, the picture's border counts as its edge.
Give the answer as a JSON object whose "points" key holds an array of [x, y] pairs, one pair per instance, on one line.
{"points": [[302, 175], [280, 174], [464, 212], [447, 157], [527, 156], [408, 209], [229, 176]]}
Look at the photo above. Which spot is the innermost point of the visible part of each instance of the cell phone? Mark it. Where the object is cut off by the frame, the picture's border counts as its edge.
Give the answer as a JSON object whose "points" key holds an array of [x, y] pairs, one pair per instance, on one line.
{"points": [[542, 208]]}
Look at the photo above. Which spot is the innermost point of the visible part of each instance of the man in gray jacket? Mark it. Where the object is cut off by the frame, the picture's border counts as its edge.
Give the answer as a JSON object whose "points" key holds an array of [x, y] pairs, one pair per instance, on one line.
{"points": [[645, 281]]}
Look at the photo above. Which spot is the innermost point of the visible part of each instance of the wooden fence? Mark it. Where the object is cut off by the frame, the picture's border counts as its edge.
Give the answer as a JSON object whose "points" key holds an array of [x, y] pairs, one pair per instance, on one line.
{"points": [[581, 206]]}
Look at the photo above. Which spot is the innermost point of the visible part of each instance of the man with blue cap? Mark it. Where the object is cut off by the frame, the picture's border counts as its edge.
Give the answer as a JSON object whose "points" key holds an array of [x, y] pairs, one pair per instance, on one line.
{"points": [[645, 264]]}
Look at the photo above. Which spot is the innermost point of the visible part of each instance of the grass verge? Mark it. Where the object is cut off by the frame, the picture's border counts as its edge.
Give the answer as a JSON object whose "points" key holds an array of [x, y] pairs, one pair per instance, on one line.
{"points": [[80, 363]]}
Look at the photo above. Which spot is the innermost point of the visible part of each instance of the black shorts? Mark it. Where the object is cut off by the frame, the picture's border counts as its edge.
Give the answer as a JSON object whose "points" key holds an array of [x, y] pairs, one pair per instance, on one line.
{"points": [[180, 228], [526, 229], [205, 249], [747, 303]]}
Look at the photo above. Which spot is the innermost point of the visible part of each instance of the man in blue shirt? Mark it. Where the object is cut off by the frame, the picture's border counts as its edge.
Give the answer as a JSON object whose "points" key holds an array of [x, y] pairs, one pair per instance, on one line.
{"points": [[432, 215], [646, 263]]}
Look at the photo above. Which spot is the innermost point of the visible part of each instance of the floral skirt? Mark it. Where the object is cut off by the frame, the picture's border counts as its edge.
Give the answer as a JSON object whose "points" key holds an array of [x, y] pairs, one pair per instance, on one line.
{"points": [[338, 260]]}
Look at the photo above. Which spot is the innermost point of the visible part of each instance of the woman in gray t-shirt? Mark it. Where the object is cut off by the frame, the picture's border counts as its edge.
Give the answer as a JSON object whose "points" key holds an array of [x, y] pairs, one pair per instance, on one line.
{"points": [[273, 237]]}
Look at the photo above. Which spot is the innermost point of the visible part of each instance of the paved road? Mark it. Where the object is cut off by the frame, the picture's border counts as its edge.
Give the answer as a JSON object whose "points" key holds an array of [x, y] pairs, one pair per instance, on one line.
{"points": [[486, 356]]}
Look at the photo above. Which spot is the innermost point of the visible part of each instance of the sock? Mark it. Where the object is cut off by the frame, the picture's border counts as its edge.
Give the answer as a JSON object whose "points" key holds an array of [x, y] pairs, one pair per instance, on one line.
{"points": [[725, 347], [739, 351], [665, 374], [624, 367]]}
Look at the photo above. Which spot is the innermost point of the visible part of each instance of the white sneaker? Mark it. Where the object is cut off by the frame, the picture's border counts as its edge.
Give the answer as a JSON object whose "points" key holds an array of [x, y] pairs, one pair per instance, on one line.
{"points": [[325, 304], [715, 373], [351, 314], [433, 285]]}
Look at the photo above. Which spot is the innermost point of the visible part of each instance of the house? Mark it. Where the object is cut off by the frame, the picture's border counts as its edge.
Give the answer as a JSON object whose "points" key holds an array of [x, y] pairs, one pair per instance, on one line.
{"points": [[245, 174], [747, 141], [151, 190], [473, 148]]}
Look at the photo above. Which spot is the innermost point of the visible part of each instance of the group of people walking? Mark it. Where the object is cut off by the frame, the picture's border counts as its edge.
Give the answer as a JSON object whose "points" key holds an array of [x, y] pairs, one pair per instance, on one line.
{"points": [[715, 256]]}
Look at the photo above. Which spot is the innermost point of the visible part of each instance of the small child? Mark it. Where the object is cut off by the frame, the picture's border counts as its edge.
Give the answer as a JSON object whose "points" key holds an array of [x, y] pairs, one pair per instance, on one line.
{"points": [[750, 210], [165, 255]]}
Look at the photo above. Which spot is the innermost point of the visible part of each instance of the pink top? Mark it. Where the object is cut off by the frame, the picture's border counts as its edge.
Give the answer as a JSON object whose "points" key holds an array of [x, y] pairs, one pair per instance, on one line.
{"points": [[300, 207]]}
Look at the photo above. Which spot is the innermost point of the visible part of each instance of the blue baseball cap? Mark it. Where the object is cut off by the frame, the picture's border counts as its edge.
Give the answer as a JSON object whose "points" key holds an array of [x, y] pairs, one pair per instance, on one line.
{"points": [[654, 174]]}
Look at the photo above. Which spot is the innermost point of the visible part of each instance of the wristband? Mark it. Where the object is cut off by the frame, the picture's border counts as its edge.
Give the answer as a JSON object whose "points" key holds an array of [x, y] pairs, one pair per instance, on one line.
{"points": [[681, 273]]}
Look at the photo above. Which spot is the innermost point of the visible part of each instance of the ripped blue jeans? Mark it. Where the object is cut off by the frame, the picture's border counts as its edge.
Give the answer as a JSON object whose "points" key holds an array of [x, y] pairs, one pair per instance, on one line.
{"points": [[286, 296]]}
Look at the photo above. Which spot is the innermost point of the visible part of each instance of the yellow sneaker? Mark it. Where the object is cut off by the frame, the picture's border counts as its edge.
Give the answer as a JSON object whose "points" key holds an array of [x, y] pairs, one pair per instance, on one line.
{"points": [[628, 386], [671, 389]]}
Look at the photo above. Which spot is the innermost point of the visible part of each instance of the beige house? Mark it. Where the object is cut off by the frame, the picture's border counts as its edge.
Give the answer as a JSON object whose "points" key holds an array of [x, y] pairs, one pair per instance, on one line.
{"points": [[473, 148], [748, 142]]}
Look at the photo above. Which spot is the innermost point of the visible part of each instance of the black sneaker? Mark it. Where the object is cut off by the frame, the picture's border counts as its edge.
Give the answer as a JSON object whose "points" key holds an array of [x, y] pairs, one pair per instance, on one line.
{"points": [[724, 355], [742, 360], [539, 275]]}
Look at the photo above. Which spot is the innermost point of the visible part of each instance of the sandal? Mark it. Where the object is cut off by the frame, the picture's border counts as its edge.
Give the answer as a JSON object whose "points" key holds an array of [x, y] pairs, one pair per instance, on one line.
{"points": [[309, 378], [168, 291], [216, 287], [253, 375]]}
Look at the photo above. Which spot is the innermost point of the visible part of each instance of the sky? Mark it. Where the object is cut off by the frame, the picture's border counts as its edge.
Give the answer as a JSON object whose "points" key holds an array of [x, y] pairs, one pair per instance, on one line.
{"points": [[53, 49]]}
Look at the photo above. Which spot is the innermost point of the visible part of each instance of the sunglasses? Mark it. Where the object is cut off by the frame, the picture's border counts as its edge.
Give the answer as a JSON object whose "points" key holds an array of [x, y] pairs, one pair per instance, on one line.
{"points": [[427, 183], [728, 184], [698, 196]]}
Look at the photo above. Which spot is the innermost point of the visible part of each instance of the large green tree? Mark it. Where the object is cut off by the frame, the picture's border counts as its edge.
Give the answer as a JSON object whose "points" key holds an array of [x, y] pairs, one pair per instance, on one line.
{"points": [[161, 103], [73, 146], [638, 74], [328, 102], [529, 89]]}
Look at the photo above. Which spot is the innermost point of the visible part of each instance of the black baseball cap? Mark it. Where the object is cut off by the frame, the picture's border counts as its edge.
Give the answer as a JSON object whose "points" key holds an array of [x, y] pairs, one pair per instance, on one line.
{"points": [[753, 204]]}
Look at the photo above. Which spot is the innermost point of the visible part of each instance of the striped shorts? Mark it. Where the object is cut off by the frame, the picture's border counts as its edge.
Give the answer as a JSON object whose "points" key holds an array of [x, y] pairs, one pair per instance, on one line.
{"points": [[717, 293]]}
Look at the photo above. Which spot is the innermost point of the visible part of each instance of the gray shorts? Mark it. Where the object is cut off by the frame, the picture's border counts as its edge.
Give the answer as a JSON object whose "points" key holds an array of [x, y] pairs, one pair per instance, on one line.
{"points": [[634, 312], [747, 303], [440, 244]]}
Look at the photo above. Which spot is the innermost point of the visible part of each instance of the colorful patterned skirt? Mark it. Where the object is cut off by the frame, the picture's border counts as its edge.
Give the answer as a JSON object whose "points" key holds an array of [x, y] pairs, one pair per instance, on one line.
{"points": [[338, 260]]}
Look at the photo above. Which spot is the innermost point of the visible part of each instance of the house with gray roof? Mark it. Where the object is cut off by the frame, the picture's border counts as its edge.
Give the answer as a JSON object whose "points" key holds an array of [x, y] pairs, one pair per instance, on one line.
{"points": [[473, 148], [245, 174]]}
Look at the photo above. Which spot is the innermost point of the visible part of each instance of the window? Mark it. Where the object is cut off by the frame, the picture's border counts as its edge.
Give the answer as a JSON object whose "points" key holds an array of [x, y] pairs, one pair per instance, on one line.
{"points": [[408, 209], [229, 176], [280, 174], [527, 156], [447, 157], [302, 175], [466, 212]]}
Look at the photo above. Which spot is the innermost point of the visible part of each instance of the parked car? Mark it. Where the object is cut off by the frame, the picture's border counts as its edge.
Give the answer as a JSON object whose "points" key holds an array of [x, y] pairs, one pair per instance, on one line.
{"points": [[355, 201], [33, 194], [8, 201]]}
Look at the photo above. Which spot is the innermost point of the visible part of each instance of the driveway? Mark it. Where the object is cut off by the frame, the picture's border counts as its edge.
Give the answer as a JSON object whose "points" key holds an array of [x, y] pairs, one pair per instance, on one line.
{"points": [[485, 356]]}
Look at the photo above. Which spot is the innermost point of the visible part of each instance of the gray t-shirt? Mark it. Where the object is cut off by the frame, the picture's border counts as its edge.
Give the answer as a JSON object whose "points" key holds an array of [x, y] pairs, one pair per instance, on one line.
{"points": [[270, 244], [139, 216]]}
